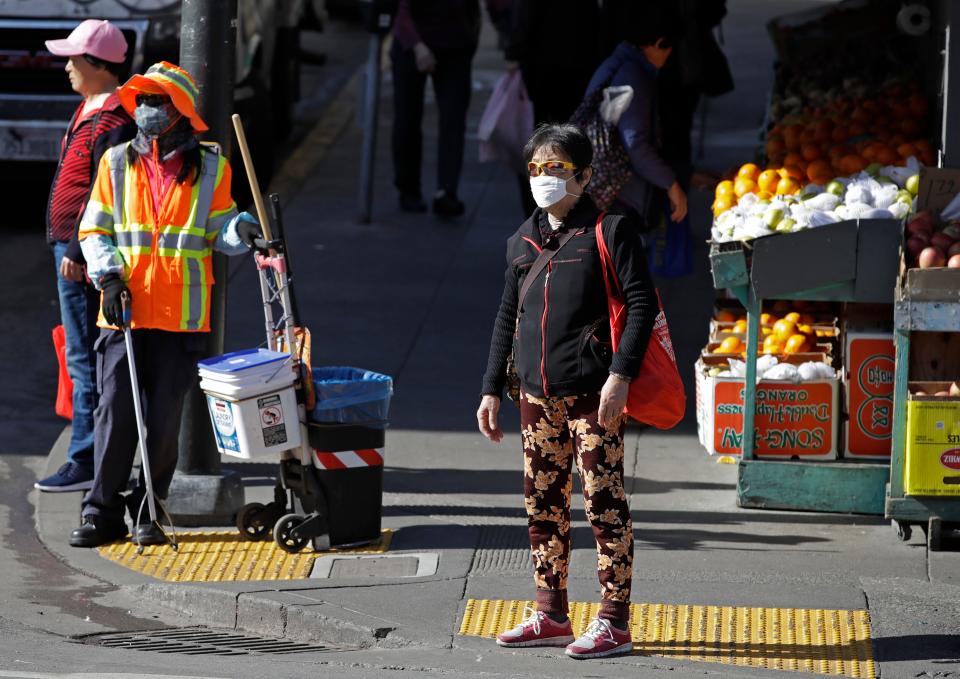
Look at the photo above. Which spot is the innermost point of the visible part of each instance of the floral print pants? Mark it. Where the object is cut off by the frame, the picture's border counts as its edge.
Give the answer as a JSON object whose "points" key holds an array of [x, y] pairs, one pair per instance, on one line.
{"points": [[556, 431]]}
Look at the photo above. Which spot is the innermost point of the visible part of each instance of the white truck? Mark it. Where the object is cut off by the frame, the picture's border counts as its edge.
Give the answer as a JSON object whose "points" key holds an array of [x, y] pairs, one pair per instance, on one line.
{"points": [[36, 101]]}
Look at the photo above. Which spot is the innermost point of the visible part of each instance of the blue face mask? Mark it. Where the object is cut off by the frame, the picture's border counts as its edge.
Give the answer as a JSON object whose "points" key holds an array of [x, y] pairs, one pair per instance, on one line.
{"points": [[153, 121]]}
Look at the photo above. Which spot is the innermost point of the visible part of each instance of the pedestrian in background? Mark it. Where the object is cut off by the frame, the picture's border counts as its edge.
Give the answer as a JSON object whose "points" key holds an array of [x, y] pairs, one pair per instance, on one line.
{"points": [[555, 74], [435, 38], [553, 319], [160, 206], [697, 67], [650, 32], [95, 51]]}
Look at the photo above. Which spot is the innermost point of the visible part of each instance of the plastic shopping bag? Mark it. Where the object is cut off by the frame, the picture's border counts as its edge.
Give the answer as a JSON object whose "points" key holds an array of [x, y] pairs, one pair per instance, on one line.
{"points": [[656, 396], [507, 122], [64, 403], [670, 247]]}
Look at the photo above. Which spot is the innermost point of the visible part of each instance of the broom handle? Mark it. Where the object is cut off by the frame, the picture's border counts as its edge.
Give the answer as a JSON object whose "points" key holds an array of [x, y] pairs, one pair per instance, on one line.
{"points": [[252, 177]]}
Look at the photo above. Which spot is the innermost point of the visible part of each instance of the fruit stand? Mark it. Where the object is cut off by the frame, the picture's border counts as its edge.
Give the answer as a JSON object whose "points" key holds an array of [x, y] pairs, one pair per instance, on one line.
{"points": [[845, 165], [923, 488]]}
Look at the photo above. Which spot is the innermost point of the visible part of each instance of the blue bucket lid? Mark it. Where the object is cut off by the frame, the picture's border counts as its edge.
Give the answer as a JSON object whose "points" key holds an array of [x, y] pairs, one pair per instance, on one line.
{"points": [[242, 360]]}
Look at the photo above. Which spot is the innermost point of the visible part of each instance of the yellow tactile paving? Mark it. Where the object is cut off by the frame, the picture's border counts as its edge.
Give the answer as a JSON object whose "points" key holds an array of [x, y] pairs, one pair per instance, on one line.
{"points": [[214, 556], [831, 642]]}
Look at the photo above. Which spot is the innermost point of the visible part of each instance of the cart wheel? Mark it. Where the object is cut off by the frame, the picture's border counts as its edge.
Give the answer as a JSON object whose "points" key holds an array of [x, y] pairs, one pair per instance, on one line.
{"points": [[904, 531], [934, 533], [283, 533], [250, 522]]}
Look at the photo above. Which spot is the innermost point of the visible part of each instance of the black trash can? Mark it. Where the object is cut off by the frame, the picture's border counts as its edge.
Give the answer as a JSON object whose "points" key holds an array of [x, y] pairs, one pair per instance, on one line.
{"points": [[347, 432]]}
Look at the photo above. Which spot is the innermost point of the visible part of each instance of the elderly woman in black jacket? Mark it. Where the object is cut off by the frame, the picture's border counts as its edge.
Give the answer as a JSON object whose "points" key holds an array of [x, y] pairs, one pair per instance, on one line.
{"points": [[573, 388]]}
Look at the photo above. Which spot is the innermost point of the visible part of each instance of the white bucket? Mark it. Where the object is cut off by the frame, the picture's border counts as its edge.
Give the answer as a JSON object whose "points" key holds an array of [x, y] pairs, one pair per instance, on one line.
{"points": [[252, 403]]}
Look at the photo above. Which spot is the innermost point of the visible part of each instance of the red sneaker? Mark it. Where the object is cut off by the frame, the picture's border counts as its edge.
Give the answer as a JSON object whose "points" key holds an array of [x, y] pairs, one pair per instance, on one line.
{"points": [[537, 629], [600, 640]]}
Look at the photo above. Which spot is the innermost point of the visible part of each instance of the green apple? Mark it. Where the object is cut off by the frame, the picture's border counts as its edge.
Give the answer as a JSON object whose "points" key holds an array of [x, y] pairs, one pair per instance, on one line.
{"points": [[836, 188], [884, 179], [904, 196], [786, 225], [913, 184], [772, 217], [873, 169]]}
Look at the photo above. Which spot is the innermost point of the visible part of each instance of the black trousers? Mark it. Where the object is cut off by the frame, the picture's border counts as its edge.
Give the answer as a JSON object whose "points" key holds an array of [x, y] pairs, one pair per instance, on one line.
{"points": [[451, 86], [166, 369]]}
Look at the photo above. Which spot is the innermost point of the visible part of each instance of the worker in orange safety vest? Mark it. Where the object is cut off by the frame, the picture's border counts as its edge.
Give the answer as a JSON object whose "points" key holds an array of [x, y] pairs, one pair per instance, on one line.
{"points": [[159, 207]]}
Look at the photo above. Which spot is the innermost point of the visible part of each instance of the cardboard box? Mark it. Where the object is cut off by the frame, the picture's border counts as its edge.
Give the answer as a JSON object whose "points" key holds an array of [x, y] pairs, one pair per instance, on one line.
{"points": [[932, 465], [868, 377], [792, 420]]}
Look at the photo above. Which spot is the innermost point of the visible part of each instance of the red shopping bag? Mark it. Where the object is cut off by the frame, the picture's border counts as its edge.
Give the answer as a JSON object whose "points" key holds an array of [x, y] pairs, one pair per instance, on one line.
{"points": [[64, 406], [657, 396]]}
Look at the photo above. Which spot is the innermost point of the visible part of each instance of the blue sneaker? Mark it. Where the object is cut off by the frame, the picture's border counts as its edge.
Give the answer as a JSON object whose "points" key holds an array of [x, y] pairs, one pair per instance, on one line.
{"points": [[70, 476]]}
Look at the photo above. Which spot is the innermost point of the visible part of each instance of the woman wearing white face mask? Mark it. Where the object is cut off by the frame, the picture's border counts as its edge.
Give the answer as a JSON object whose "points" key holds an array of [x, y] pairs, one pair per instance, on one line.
{"points": [[572, 388]]}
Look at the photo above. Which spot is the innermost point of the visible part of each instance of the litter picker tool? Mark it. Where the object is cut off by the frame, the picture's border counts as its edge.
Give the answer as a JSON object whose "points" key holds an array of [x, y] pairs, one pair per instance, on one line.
{"points": [[149, 497]]}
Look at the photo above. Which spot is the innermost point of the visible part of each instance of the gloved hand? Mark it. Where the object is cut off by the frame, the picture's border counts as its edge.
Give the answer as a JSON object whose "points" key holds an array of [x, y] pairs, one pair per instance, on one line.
{"points": [[248, 228], [111, 305]]}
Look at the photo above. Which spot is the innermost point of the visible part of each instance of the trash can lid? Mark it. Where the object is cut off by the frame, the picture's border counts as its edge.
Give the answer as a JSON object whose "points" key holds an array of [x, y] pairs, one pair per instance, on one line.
{"points": [[242, 360]]}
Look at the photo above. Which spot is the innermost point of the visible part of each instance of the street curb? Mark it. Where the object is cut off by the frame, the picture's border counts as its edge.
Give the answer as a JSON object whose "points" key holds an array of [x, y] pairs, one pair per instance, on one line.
{"points": [[260, 615]]}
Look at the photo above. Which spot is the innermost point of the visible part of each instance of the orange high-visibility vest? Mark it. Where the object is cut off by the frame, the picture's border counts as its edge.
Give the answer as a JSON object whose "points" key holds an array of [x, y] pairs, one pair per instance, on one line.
{"points": [[168, 263]]}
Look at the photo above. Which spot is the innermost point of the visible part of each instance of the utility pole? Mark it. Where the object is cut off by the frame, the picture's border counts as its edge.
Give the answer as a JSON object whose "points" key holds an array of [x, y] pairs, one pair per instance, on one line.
{"points": [[377, 20], [201, 494]]}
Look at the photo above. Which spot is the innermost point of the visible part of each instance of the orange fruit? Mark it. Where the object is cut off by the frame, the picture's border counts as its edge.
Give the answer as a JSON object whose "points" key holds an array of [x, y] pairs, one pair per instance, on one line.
{"points": [[906, 150], [740, 327], [886, 156], [767, 195], [767, 181], [725, 188], [792, 158], [819, 172], [810, 152], [725, 316], [744, 185], [852, 163], [784, 328], [795, 344], [723, 203], [840, 134], [793, 316], [775, 146], [767, 319], [730, 345], [772, 345], [748, 171], [791, 171], [788, 186]]}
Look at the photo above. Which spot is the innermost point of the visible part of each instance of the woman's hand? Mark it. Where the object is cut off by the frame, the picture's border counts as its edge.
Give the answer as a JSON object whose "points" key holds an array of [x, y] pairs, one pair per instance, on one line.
{"points": [[426, 62], [613, 399], [487, 418], [71, 270], [678, 202]]}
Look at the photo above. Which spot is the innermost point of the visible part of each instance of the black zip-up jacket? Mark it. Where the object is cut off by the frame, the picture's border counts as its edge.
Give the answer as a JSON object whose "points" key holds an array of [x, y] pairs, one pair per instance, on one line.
{"points": [[562, 343]]}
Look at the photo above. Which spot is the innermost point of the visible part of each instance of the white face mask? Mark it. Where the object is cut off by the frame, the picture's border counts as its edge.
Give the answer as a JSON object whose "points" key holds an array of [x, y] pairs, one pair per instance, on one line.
{"points": [[548, 190]]}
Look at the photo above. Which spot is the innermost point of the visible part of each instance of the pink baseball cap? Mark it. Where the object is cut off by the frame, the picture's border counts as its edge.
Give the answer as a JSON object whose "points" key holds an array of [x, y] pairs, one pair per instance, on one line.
{"points": [[98, 38]]}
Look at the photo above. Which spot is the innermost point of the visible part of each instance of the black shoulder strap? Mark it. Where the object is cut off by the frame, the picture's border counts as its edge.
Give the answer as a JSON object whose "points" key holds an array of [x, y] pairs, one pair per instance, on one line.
{"points": [[540, 263]]}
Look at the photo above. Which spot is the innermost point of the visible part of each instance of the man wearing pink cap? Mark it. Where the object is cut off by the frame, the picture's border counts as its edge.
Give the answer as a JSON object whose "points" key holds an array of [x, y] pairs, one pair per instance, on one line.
{"points": [[96, 52]]}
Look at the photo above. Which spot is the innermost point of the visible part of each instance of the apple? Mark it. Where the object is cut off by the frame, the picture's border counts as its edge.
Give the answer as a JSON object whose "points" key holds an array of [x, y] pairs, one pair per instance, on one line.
{"points": [[912, 184], [931, 257], [954, 250], [786, 225], [954, 262], [915, 245], [941, 240], [836, 188], [873, 169], [884, 179], [954, 389], [772, 217], [904, 196], [921, 222]]}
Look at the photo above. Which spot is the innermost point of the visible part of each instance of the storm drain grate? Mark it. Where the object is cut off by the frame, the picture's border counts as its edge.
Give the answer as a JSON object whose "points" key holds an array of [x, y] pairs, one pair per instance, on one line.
{"points": [[204, 641]]}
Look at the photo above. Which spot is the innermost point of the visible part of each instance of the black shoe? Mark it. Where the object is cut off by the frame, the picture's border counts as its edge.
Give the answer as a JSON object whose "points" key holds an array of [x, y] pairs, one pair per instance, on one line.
{"points": [[95, 531], [447, 204], [149, 534], [412, 202]]}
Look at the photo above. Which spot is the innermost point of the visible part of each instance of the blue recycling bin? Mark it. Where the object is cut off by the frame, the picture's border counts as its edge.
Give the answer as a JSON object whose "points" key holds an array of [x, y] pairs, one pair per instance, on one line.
{"points": [[347, 431]]}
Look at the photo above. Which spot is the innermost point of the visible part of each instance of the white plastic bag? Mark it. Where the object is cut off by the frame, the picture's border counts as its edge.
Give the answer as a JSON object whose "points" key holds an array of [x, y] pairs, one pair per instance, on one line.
{"points": [[615, 102], [507, 122]]}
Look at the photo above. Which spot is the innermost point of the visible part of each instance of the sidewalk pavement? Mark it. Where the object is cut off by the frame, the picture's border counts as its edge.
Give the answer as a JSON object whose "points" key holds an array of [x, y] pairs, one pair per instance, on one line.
{"points": [[414, 297]]}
